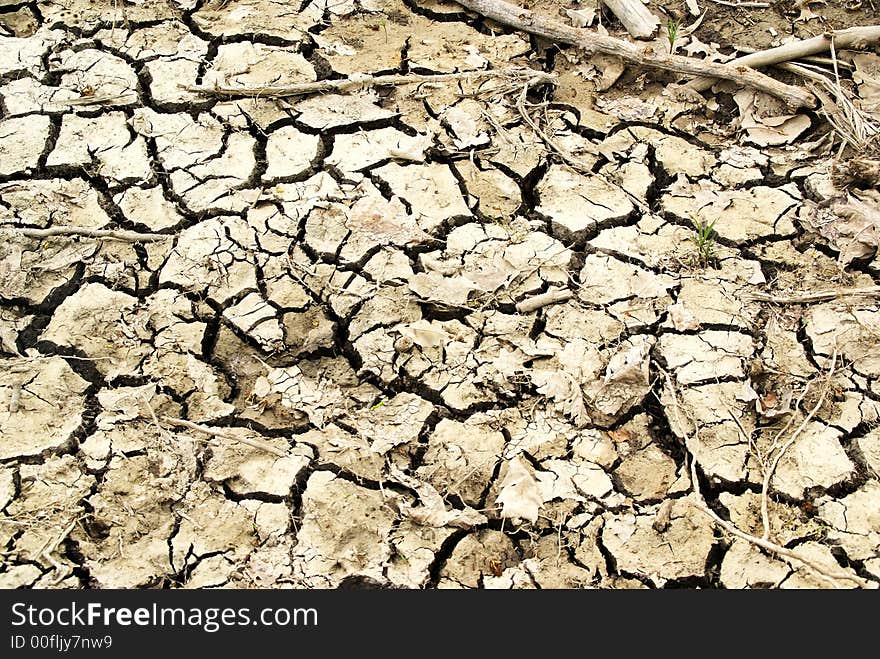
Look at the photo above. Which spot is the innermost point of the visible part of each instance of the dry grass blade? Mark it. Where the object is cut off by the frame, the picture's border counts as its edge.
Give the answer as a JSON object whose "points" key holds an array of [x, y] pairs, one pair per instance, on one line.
{"points": [[105, 234], [819, 296]]}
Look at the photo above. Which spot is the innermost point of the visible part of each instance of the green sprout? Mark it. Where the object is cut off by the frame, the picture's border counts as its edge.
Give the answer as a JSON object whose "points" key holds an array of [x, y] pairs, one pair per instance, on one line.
{"points": [[671, 33], [704, 239]]}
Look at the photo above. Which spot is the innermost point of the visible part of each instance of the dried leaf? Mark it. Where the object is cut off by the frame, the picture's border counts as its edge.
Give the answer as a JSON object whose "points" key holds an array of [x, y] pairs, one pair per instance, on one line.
{"points": [[867, 77], [850, 224], [581, 17], [520, 495], [762, 122], [435, 287], [565, 392], [611, 69], [426, 334], [630, 365], [433, 510], [621, 435], [748, 393]]}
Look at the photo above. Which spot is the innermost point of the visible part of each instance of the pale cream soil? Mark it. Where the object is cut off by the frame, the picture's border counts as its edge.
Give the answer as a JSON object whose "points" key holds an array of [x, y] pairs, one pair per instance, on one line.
{"points": [[397, 336]]}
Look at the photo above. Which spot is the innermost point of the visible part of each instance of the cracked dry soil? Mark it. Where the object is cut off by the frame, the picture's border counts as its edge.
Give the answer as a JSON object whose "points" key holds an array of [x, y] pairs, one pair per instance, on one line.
{"points": [[335, 367]]}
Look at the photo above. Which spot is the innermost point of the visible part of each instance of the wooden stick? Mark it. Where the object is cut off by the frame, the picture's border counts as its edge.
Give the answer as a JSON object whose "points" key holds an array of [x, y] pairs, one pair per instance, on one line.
{"points": [[552, 296], [522, 19], [636, 17], [854, 37], [110, 234], [255, 443], [359, 81], [820, 296]]}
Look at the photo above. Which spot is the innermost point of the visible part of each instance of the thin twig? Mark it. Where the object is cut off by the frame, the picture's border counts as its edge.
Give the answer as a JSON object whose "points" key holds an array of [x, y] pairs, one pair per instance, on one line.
{"points": [[820, 296], [563, 153], [830, 576], [822, 572], [162, 430], [768, 473], [110, 234], [742, 5], [255, 443], [52, 545], [360, 81], [569, 159]]}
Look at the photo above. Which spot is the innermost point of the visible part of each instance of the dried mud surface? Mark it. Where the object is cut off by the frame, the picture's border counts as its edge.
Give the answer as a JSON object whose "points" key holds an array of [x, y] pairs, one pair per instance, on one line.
{"points": [[349, 295]]}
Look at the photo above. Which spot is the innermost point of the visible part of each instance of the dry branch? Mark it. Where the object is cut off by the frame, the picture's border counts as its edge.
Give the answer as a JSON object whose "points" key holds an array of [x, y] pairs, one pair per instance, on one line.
{"points": [[213, 432], [769, 471], [360, 81], [854, 37], [109, 234], [635, 16], [527, 21]]}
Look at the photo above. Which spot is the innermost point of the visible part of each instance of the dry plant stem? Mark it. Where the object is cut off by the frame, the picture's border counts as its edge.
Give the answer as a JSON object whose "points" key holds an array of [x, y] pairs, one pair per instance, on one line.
{"points": [[820, 296], [98, 100], [109, 234], [255, 443], [854, 37], [527, 21], [569, 159], [155, 419], [49, 547], [544, 299], [357, 82], [549, 141], [742, 5], [768, 473], [831, 577], [635, 16]]}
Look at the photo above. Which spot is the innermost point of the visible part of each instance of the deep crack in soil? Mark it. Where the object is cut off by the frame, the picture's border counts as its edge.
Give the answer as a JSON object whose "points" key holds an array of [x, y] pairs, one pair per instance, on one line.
{"points": [[470, 333]]}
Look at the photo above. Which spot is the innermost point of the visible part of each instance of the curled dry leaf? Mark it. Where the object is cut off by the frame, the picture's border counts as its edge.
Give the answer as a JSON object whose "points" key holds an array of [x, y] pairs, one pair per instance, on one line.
{"points": [[763, 122], [580, 17], [520, 495], [807, 14], [432, 511], [850, 224], [867, 77]]}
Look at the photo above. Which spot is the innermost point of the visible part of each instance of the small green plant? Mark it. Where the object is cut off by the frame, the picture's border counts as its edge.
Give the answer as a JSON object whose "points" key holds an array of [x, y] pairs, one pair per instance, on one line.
{"points": [[671, 33], [704, 239]]}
